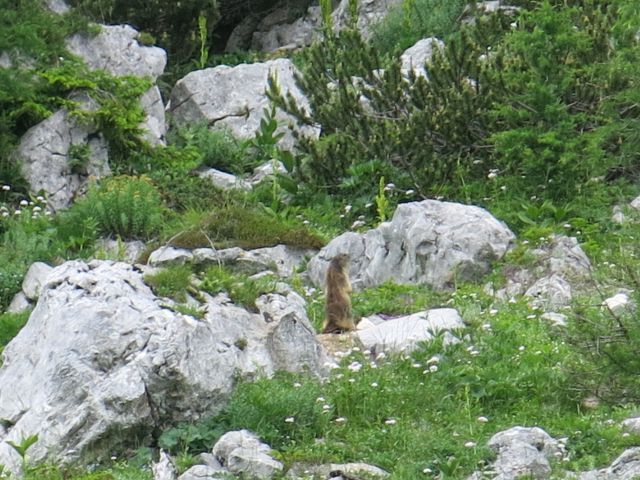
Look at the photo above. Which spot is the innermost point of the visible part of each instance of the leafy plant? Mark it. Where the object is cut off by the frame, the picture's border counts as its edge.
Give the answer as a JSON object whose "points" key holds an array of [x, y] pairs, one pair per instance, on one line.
{"points": [[128, 207], [22, 447], [202, 35], [382, 202], [213, 148]]}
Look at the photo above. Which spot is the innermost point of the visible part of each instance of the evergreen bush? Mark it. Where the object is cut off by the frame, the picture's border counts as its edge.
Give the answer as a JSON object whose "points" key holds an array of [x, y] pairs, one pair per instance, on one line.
{"points": [[124, 206]]}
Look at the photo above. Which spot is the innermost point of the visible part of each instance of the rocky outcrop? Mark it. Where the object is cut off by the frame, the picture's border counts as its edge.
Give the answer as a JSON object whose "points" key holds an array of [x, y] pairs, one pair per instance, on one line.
{"points": [[102, 361], [428, 242], [46, 156], [281, 259], [48, 152], [234, 98], [278, 30], [242, 453], [522, 452], [116, 50], [560, 267]]}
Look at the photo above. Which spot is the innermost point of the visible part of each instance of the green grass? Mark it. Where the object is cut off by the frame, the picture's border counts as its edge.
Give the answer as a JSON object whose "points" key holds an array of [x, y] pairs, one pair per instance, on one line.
{"points": [[405, 415], [171, 282], [242, 289], [248, 227]]}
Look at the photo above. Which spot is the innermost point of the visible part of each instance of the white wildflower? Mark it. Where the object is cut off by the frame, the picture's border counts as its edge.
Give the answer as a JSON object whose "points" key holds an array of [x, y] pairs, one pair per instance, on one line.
{"points": [[289, 419], [355, 366]]}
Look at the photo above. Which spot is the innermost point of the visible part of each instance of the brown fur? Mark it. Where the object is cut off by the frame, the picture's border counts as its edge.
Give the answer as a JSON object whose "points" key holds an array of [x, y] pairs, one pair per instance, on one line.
{"points": [[337, 289]]}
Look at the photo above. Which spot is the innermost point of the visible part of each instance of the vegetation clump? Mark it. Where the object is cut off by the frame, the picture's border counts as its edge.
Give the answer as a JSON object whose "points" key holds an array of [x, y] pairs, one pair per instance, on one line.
{"points": [[246, 227]]}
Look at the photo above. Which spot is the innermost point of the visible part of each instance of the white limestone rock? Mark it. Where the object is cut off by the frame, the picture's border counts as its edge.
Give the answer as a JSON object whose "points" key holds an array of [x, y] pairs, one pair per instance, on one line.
{"points": [[102, 362], [44, 156], [428, 242], [223, 180], [234, 98], [242, 453], [417, 56], [166, 256], [405, 333], [522, 452], [116, 49], [34, 279]]}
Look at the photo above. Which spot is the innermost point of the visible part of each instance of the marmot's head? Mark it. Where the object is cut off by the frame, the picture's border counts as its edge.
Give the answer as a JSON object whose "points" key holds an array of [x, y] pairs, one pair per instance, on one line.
{"points": [[340, 260]]}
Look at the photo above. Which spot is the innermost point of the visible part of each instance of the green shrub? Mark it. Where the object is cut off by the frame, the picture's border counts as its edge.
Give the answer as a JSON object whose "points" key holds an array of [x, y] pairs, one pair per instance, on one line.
{"points": [[417, 134], [171, 282], [128, 207]]}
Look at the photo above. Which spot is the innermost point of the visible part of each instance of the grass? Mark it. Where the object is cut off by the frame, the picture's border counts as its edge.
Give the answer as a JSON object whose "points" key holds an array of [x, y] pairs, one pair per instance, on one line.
{"points": [[241, 288], [248, 227], [432, 410]]}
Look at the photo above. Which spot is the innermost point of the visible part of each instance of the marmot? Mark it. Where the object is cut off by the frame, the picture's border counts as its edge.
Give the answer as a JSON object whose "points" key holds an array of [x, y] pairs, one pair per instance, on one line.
{"points": [[337, 289]]}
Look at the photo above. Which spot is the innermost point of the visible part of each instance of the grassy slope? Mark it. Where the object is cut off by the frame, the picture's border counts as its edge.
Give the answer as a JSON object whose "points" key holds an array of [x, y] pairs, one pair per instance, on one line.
{"points": [[402, 413]]}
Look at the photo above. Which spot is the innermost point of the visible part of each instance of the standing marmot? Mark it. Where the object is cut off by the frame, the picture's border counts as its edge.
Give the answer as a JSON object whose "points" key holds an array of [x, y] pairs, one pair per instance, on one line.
{"points": [[337, 289]]}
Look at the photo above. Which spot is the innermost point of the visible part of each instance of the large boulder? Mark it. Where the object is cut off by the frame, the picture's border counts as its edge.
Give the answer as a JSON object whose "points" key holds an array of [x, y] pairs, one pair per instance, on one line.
{"points": [[522, 452], [370, 12], [287, 28], [242, 453], [45, 154], [234, 98], [116, 49], [404, 334], [428, 242], [102, 362]]}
